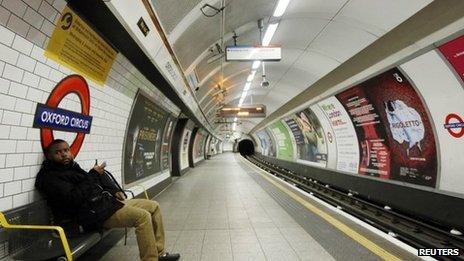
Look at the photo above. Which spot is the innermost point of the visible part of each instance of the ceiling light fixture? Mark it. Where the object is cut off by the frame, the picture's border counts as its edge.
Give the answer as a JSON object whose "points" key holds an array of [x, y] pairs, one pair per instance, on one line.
{"points": [[269, 33], [250, 77], [247, 86], [281, 7], [255, 65]]}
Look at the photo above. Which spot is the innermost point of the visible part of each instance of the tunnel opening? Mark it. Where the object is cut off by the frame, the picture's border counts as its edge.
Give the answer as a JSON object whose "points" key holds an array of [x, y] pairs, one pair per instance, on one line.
{"points": [[246, 147]]}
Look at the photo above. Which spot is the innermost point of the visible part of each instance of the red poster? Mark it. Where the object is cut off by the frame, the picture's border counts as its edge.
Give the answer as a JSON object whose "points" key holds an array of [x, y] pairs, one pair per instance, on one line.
{"points": [[454, 53], [396, 139]]}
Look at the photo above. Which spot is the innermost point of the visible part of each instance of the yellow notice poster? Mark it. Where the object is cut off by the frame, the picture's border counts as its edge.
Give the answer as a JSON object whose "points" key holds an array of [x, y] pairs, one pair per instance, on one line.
{"points": [[77, 46]]}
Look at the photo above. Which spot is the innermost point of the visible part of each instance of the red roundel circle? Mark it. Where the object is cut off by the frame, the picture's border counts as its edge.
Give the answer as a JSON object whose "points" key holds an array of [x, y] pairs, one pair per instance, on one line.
{"points": [[456, 117], [72, 84]]}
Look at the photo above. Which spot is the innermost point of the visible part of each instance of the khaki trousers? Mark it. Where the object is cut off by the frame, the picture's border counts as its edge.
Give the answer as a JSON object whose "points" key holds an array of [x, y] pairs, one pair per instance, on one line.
{"points": [[145, 216]]}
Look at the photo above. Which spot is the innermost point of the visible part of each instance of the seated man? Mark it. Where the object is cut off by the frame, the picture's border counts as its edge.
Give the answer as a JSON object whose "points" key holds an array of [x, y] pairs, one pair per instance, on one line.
{"points": [[90, 201]]}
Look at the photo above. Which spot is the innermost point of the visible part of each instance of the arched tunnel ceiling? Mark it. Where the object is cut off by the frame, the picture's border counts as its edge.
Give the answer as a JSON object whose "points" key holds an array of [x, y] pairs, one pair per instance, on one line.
{"points": [[316, 37]]}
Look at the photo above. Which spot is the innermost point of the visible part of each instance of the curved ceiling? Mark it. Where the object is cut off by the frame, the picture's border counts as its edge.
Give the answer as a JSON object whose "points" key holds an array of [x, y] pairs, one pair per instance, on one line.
{"points": [[316, 37]]}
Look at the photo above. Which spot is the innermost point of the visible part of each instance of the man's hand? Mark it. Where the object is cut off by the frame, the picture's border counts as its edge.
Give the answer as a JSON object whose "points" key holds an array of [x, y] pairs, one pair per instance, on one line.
{"points": [[100, 168], [120, 195]]}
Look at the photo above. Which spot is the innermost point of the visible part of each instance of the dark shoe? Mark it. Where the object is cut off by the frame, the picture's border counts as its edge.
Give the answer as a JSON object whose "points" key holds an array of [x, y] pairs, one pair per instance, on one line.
{"points": [[169, 257]]}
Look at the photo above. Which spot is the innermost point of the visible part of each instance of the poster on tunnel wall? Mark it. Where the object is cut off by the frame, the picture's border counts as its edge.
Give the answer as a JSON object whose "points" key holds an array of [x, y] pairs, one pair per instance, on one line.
{"points": [[166, 147], [311, 145], [345, 135], [184, 149], [142, 151], [395, 137], [267, 145], [283, 141], [329, 137], [199, 147]]}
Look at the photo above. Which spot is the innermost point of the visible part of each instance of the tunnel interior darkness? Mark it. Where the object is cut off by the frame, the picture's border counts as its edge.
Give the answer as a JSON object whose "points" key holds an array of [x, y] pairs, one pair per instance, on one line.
{"points": [[246, 147]]}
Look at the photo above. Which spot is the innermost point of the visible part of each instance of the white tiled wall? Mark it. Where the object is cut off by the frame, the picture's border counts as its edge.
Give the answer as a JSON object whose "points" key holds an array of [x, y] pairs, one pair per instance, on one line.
{"points": [[27, 77]]}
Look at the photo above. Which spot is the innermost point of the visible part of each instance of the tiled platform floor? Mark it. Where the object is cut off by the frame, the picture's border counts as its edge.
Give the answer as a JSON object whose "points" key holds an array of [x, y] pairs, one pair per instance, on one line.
{"points": [[217, 211]]}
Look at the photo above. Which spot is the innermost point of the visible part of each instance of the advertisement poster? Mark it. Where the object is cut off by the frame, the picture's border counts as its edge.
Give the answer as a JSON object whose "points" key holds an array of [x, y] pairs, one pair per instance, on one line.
{"points": [[345, 135], [296, 131], [395, 136], [166, 147], [329, 136], [453, 51], [267, 146], [143, 139], [184, 149], [313, 148], [283, 141], [199, 146], [374, 153]]}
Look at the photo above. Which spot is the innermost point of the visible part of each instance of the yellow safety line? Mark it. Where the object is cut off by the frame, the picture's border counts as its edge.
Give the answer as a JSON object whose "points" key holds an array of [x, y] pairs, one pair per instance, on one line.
{"points": [[373, 247], [67, 250]]}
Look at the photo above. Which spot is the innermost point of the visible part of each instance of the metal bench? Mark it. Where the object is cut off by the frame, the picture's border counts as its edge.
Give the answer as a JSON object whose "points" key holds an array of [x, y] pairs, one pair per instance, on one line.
{"points": [[26, 234]]}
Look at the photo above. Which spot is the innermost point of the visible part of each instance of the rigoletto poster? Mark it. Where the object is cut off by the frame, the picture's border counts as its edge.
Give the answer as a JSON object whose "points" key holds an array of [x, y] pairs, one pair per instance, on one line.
{"points": [[394, 133]]}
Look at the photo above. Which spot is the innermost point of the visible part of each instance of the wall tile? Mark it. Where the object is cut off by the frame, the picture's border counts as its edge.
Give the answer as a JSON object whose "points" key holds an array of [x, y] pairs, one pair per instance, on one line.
{"points": [[33, 3], [9, 55], [27, 120], [47, 11], [13, 73], [36, 37], [4, 86], [22, 45], [7, 146], [42, 70], [26, 63], [30, 79], [18, 89], [24, 106], [18, 133], [2, 160], [4, 15], [21, 173], [8, 102], [20, 200], [17, 25], [7, 36], [15, 6], [14, 160], [5, 131], [6, 203], [27, 185], [33, 18], [11, 118]]}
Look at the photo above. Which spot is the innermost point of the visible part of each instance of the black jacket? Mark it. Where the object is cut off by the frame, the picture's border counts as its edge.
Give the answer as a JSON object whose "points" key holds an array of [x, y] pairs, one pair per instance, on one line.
{"points": [[68, 190]]}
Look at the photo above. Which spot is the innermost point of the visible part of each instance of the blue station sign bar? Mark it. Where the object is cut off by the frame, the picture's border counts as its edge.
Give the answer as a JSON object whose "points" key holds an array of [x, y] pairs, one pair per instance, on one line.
{"points": [[60, 119]]}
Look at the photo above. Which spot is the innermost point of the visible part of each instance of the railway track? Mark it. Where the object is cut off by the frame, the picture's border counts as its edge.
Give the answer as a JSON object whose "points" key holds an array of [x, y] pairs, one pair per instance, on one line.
{"points": [[416, 233]]}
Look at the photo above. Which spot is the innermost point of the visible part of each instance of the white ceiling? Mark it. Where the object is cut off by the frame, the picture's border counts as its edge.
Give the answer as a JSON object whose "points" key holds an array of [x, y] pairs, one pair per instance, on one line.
{"points": [[316, 37]]}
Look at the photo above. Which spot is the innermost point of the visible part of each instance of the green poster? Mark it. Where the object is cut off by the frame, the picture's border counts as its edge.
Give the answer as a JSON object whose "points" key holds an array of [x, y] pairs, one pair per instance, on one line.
{"points": [[284, 142]]}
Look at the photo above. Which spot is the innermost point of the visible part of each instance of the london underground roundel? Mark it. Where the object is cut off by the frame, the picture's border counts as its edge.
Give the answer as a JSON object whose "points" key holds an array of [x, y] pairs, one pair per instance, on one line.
{"points": [[71, 84]]}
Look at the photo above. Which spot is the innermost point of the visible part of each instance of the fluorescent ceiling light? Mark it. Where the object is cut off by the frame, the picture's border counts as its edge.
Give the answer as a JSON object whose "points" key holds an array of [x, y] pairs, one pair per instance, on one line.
{"points": [[243, 113], [250, 77], [233, 126], [247, 86], [280, 9], [269, 33], [244, 93], [255, 65]]}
